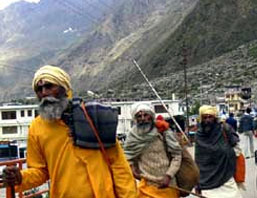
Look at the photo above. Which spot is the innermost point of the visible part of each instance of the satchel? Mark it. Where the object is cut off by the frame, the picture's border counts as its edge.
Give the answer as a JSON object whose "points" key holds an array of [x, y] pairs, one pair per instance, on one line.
{"points": [[188, 174]]}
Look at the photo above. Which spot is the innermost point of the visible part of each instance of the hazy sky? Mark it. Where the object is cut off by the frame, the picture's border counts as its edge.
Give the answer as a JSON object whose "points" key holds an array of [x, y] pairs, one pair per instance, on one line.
{"points": [[5, 3]]}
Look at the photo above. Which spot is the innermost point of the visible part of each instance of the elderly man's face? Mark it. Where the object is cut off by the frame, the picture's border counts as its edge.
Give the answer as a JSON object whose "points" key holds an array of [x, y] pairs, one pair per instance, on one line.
{"points": [[144, 121], [207, 118], [143, 117], [46, 89], [208, 122], [53, 100]]}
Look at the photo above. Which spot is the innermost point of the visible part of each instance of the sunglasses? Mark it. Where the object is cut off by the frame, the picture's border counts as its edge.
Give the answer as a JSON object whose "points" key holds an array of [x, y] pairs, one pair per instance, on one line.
{"points": [[39, 88], [204, 117]]}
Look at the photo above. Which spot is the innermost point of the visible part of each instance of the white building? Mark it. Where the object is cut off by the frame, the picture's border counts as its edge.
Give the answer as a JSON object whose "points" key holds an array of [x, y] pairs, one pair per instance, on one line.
{"points": [[124, 109], [15, 120]]}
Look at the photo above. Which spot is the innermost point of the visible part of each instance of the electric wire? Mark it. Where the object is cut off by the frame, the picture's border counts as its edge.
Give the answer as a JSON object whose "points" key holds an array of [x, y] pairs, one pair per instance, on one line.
{"points": [[77, 10], [16, 68], [105, 4]]}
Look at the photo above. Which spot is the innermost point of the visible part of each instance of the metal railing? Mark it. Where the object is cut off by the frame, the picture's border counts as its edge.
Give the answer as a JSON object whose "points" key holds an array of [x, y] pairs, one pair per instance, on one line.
{"points": [[10, 190]]}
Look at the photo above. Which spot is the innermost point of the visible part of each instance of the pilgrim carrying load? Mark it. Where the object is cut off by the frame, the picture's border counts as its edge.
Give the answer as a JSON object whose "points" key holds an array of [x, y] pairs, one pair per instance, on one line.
{"points": [[91, 121]]}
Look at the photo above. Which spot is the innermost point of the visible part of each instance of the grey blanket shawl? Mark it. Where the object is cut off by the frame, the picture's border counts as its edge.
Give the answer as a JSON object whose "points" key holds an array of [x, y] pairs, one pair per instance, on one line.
{"points": [[215, 157], [136, 142]]}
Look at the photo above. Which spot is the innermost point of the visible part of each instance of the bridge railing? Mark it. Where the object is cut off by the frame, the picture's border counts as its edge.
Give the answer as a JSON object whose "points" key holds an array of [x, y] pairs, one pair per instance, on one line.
{"points": [[9, 191]]}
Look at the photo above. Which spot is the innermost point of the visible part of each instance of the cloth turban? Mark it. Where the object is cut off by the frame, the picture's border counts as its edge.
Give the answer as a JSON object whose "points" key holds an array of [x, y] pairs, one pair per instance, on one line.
{"points": [[53, 75], [140, 106], [207, 109]]}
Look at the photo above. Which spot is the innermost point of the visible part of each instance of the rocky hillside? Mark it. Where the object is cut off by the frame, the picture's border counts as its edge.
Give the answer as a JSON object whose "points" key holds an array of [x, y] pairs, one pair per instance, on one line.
{"points": [[211, 34], [136, 28], [31, 34], [209, 30], [207, 80], [219, 38]]}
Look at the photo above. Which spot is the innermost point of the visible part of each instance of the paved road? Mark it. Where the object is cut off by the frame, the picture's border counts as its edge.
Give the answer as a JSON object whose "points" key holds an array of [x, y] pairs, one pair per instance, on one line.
{"points": [[251, 173]]}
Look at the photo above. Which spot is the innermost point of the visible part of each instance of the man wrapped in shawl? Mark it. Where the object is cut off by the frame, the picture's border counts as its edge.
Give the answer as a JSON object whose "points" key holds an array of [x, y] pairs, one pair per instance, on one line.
{"points": [[215, 155], [145, 149]]}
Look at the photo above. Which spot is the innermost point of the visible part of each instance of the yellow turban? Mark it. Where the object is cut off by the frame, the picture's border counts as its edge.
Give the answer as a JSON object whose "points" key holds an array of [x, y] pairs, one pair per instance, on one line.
{"points": [[53, 75], [207, 109]]}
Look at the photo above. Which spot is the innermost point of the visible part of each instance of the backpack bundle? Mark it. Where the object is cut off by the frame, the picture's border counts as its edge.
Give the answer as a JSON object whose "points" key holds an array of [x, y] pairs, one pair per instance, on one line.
{"points": [[103, 117]]}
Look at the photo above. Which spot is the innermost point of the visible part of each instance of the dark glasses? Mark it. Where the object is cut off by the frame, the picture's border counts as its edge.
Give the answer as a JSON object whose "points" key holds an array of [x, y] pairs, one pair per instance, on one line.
{"points": [[204, 117], [39, 88]]}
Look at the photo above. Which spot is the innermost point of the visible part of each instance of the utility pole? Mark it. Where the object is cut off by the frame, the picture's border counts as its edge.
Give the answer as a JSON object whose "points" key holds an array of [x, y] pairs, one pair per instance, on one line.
{"points": [[184, 63], [201, 91]]}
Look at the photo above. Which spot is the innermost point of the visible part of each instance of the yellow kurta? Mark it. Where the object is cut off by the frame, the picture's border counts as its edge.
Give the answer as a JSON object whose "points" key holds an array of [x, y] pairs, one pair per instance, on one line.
{"points": [[150, 191], [74, 172]]}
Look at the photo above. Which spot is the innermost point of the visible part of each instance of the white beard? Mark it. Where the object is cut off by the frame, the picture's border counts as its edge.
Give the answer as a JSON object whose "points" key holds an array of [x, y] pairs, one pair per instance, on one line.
{"points": [[51, 108], [144, 127]]}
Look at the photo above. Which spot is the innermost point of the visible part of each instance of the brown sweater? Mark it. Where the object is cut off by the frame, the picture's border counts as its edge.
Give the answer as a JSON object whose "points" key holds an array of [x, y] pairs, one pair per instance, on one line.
{"points": [[154, 163]]}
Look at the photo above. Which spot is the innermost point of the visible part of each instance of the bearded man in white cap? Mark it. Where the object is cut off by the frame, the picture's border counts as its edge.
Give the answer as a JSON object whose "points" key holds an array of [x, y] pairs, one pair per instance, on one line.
{"points": [[145, 149], [74, 172], [216, 148]]}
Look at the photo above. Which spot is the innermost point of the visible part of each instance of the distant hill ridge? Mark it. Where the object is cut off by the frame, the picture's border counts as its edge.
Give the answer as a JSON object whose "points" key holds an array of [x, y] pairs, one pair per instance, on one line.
{"points": [[218, 35]]}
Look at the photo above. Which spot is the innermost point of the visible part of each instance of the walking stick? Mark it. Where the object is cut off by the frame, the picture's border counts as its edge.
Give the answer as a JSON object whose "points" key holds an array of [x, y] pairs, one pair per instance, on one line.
{"points": [[160, 99], [187, 191], [10, 189]]}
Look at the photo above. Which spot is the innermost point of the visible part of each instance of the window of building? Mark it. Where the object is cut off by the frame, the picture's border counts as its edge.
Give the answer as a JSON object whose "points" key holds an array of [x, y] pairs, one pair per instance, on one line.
{"points": [[29, 113], [119, 110], [10, 130], [9, 115], [22, 113], [160, 109], [8, 151], [36, 113]]}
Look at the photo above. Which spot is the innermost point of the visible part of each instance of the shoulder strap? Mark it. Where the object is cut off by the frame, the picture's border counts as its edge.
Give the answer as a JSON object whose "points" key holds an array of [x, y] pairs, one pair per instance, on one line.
{"points": [[106, 157], [165, 144]]}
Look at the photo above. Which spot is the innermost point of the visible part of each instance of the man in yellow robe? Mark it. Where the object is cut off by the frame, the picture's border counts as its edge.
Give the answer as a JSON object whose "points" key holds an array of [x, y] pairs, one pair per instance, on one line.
{"points": [[73, 172]]}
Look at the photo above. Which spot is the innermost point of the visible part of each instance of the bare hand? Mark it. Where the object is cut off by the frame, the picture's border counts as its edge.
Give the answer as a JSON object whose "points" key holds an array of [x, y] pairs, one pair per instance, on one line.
{"points": [[165, 182], [12, 176]]}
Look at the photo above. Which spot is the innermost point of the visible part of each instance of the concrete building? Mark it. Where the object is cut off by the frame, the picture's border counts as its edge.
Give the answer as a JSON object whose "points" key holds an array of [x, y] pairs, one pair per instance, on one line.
{"points": [[15, 120]]}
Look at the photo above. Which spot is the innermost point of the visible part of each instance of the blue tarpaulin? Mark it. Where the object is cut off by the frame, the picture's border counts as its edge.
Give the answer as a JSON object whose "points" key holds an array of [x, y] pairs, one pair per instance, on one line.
{"points": [[4, 146]]}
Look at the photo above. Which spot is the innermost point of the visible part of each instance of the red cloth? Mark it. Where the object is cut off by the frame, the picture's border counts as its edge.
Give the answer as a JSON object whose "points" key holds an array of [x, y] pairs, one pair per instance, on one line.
{"points": [[159, 117]]}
